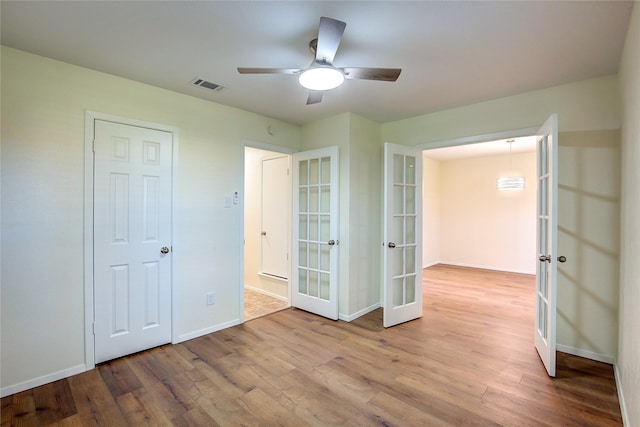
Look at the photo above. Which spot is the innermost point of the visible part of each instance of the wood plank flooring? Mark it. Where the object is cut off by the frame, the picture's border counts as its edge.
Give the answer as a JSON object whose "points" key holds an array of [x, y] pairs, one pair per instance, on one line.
{"points": [[469, 360]]}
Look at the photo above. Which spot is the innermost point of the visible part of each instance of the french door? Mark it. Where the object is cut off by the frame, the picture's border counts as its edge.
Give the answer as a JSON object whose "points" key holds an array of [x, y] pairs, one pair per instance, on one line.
{"points": [[547, 243], [402, 260], [315, 244], [132, 239]]}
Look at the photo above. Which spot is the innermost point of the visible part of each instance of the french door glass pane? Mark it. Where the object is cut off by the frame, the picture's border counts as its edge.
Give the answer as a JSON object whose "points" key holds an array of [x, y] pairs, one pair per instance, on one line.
{"points": [[313, 255], [410, 260], [410, 167], [303, 205], [410, 229], [397, 232], [314, 199], [410, 289], [398, 261], [398, 169], [325, 228], [325, 171], [410, 202], [302, 254], [313, 227], [324, 286], [303, 227], [302, 281], [313, 283], [324, 257], [398, 292], [325, 199], [314, 171], [304, 170], [398, 199]]}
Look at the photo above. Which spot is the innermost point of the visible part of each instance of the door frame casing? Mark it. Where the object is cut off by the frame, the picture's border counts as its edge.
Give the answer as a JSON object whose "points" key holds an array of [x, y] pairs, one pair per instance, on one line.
{"points": [[288, 151], [89, 194], [515, 133]]}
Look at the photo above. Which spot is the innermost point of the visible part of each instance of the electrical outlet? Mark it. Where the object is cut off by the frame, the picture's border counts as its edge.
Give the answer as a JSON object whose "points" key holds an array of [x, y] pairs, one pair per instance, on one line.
{"points": [[211, 298]]}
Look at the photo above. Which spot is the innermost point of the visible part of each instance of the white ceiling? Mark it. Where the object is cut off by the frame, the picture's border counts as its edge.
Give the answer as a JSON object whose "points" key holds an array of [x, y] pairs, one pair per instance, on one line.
{"points": [[452, 53]]}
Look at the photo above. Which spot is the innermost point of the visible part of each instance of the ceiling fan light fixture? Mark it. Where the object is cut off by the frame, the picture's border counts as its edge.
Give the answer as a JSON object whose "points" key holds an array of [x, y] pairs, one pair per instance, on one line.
{"points": [[321, 78]]}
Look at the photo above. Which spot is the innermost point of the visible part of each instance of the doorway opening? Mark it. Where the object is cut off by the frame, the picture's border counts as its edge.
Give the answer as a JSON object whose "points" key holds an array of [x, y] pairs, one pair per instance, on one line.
{"points": [[467, 220], [267, 231]]}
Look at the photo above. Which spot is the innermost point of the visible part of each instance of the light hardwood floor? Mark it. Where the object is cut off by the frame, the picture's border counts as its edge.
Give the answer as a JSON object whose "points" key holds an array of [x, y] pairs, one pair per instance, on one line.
{"points": [[469, 360]]}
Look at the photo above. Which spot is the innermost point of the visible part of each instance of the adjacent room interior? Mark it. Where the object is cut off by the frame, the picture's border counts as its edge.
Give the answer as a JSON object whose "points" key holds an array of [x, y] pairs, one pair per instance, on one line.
{"points": [[267, 225]]}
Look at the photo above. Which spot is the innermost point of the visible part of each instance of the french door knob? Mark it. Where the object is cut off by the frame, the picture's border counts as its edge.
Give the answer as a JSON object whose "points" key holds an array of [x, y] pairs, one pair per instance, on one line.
{"points": [[391, 245], [562, 258], [331, 242], [544, 258], [164, 250]]}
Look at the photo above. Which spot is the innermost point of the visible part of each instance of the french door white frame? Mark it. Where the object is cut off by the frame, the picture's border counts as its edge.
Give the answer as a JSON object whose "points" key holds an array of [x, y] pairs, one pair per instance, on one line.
{"points": [[90, 117]]}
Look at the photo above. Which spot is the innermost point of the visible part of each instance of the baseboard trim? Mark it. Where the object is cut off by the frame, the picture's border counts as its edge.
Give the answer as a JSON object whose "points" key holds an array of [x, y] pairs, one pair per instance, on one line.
{"points": [[488, 267], [205, 331], [354, 316], [267, 293], [431, 264], [274, 278], [45, 379], [621, 400], [586, 354]]}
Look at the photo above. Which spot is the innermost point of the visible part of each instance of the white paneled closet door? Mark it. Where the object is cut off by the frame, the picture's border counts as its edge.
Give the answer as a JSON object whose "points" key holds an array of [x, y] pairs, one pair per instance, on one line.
{"points": [[132, 239]]}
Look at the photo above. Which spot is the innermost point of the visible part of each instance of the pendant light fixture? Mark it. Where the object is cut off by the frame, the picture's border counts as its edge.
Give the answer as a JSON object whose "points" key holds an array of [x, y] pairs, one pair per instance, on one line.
{"points": [[510, 182]]}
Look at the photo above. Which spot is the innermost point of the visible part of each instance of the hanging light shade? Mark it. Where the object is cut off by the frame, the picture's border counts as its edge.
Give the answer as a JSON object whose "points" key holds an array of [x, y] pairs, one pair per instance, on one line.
{"points": [[510, 183]]}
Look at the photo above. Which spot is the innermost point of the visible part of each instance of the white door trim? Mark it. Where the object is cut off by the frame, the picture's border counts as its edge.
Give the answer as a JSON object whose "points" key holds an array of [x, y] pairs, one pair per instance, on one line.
{"points": [[90, 117], [468, 140]]}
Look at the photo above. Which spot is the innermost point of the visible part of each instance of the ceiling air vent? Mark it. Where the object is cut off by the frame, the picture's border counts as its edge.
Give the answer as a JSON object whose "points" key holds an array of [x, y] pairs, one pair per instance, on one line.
{"points": [[216, 87]]}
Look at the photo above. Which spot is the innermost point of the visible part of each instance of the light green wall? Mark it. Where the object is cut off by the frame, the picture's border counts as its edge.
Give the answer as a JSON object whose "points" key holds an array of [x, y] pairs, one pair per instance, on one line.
{"points": [[588, 235], [334, 131], [360, 206], [628, 371], [589, 105], [365, 215], [43, 122]]}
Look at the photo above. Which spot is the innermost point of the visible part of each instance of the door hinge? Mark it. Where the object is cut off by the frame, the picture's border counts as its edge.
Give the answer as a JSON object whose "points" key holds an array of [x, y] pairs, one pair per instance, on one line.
{"points": [[287, 171], [93, 145], [93, 328]]}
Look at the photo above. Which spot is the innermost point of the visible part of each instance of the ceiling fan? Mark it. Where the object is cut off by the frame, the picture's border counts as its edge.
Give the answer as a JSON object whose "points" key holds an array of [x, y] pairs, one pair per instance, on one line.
{"points": [[321, 75]]}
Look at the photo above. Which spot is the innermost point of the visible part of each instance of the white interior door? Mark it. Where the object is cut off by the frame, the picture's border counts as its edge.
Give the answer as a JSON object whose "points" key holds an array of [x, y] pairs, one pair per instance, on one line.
{"points": [[402, 262], [315, 232], [547, 243], [276, 194], [132, 239]]}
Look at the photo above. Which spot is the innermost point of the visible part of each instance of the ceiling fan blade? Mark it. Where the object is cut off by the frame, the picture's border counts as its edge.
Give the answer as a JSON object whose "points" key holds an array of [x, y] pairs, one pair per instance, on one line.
{"points": [[383, 74], [329, 37], [315, 96], [248, 70]]}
